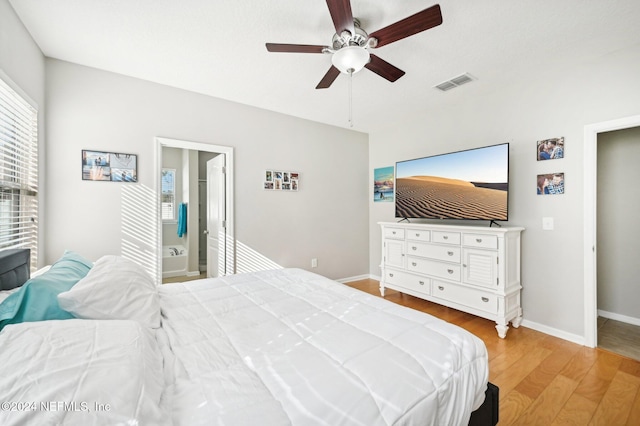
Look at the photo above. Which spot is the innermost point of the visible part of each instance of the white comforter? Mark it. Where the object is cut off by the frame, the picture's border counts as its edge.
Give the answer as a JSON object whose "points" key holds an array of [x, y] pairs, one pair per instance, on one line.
{"points": [[80, 372], [292, 347]]}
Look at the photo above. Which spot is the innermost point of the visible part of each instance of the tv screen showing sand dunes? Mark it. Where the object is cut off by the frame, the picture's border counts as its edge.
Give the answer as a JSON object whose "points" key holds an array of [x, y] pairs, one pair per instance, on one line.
{"points": [[472, 184]]}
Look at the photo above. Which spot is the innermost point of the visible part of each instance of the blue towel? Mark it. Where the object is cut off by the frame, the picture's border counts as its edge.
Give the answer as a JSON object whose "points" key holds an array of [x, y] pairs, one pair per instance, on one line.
{"points": [[182, 219]]}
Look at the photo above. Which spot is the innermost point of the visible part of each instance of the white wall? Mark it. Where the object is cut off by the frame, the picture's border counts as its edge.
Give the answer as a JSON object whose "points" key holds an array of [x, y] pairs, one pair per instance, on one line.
{"points": [[618, 226], [22, 61], [93, 109], [559, 103]]}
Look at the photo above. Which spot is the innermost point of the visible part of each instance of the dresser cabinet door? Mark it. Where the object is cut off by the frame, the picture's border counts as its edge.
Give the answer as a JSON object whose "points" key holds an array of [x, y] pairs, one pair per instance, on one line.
{"points": [[480, 267], [394, 253]]}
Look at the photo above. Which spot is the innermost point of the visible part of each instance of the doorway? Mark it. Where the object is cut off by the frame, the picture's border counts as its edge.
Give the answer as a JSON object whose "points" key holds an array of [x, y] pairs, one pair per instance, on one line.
{"points": [[590, 223], [198, 154]]}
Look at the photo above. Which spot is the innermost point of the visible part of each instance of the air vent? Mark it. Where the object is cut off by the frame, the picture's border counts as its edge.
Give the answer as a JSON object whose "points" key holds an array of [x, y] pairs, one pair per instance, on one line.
{"points": [[455, 82]]}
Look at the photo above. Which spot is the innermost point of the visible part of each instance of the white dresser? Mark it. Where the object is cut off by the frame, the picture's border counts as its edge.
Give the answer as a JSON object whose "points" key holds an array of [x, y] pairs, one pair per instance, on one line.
{"points": [[470, 268]]}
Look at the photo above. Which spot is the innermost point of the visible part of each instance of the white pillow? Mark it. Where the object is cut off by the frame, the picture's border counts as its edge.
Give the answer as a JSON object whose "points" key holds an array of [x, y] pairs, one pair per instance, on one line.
{"points": [[115, 288]]}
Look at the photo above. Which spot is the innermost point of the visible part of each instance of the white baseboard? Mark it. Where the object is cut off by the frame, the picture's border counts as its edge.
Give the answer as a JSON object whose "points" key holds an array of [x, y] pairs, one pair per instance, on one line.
{"points": [[357, 278], [193, 273], [619, 317], [575, 338]]}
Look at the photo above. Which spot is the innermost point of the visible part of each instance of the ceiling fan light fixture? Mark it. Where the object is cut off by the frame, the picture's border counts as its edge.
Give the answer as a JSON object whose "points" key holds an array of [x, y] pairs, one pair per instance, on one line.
{"points": [[350, 59]]}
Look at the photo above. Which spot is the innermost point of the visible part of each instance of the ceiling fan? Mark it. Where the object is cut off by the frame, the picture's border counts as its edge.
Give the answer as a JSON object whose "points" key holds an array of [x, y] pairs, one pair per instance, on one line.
{"points": [[350, 45]]}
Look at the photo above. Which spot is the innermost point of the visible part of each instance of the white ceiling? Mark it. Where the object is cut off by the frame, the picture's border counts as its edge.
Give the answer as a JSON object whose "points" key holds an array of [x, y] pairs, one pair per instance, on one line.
{"points": [[217, 48]]}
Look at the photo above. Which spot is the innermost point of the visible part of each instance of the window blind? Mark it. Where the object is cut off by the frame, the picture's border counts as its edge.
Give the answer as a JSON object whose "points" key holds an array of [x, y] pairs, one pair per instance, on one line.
{"points": [[18, 172]]}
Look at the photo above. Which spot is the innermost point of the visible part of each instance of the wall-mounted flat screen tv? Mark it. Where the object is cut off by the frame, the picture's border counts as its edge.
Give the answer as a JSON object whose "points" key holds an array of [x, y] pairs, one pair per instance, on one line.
{"points": [[471, 184]]}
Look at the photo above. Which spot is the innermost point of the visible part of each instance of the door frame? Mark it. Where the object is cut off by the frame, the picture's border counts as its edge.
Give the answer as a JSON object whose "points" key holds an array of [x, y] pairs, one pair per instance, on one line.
{"points": [[591, 132], [162, 142]]}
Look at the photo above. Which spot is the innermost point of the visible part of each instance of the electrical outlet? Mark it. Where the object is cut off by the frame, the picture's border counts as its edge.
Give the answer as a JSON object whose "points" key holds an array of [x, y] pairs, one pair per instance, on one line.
{"points": [[314, 263], [547, 223]]}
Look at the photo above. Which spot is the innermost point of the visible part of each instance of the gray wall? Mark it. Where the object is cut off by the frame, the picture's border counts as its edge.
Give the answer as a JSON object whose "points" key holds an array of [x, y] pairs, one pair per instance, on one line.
{"points": [[172, 159], [559, 103], [23, 63], [93, 109], [618, 226]]}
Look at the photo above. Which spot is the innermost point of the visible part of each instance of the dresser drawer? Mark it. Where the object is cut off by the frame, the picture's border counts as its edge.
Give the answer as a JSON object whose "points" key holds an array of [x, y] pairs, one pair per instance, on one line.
{"points": [[395, 233], [434, 268], [434, 251], [480, 241], [408, 281], [446, 237], [476, 299], [418, 235]]}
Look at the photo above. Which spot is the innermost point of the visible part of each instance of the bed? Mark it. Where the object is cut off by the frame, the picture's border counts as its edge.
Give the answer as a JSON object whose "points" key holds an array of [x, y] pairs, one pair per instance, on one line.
{"points": [[281, 347]]}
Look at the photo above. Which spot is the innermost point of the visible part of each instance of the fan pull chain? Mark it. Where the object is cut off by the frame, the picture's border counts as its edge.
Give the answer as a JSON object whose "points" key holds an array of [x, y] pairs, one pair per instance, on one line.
{"points": [[351, 97]]}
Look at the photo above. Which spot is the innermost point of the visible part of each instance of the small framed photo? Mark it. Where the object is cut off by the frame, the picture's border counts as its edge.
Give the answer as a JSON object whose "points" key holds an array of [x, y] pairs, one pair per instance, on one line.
{"points": [[383, 184], [109, 166], [550, 149], [551, 184], [278, 180]]}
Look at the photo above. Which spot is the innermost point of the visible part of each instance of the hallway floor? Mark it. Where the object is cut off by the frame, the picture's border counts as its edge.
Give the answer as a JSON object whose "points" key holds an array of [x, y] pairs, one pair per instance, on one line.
{"points": [[183, 278], [619, 337]]}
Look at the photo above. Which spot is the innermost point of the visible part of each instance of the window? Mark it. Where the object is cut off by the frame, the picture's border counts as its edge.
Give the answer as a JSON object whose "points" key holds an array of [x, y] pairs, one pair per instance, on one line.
{"points": [[18, 172], [168, 194]]}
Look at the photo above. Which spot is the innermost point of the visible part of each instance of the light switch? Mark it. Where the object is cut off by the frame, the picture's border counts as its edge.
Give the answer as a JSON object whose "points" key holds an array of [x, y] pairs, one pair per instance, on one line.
{"points": [[547, 223]]}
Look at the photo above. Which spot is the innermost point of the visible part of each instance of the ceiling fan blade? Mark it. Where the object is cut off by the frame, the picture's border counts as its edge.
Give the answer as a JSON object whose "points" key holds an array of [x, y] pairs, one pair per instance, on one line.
{"points": [[384, 69], [341, 15], [295, 48], [421, 21], [328, 78]]}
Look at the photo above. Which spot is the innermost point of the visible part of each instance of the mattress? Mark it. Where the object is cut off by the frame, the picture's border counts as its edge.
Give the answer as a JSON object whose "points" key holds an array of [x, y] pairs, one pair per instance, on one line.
{"points": [[292, 347]]}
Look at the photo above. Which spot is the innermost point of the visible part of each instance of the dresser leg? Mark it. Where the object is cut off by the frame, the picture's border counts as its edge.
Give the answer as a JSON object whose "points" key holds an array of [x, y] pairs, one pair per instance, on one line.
{"points": [[381, 290], [517, 321], [502, 330]]}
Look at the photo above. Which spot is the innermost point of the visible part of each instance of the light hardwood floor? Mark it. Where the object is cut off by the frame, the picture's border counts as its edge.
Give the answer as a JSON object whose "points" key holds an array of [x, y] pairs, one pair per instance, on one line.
{"points": [[619, 337], [544, 380]]}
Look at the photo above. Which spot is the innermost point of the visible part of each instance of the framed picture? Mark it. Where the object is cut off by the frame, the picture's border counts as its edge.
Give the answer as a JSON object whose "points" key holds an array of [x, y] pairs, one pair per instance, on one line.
{"points": [[109, 166], [550, 149], [551, 184], [383, 184], [277, 180]]}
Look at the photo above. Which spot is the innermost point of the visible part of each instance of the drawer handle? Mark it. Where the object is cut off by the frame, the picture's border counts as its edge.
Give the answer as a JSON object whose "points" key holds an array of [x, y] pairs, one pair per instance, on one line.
{"points": [[414, 263], [414, 248], [450, 271], [485, 299], [421, 282], [393, 232], [446, 237], [478, 240], [440, 288], [450, 253], [391, 275], [417, 235]]}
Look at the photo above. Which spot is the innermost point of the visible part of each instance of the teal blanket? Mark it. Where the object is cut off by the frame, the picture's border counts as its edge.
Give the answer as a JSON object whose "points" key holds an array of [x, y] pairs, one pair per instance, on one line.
{"points": [[37, 299]]}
